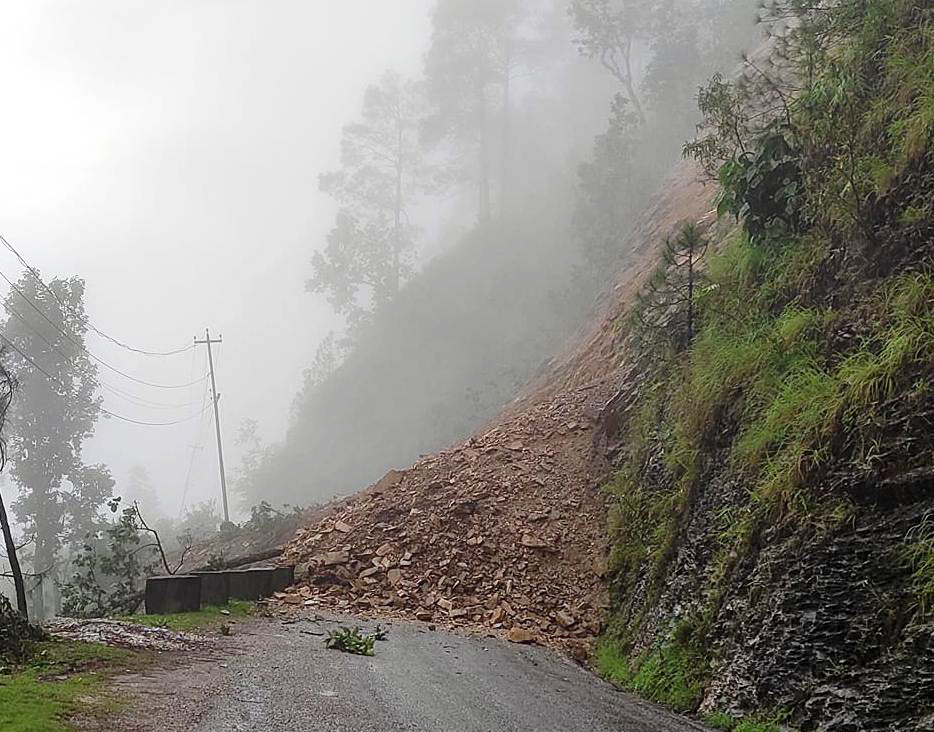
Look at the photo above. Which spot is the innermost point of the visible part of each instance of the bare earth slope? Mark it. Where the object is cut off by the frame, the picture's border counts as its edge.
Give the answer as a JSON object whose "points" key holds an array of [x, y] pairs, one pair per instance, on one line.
{"points": [[506, 532]]}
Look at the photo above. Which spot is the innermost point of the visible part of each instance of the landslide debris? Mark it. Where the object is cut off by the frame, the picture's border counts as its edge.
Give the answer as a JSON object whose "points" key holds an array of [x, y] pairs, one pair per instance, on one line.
{"points": [[122, 634], [506, 533], [503, 534]]}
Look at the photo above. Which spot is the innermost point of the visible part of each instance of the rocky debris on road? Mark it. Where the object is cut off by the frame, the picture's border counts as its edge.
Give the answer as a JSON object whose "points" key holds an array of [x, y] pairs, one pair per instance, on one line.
{"points": [[123, 634], [503, 534]]}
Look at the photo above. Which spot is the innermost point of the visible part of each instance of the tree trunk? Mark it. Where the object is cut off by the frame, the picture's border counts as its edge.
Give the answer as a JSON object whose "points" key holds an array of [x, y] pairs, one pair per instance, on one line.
{"points": [[505, 157], [630, 87], [14, 562], [690, 295], [483, 202]]}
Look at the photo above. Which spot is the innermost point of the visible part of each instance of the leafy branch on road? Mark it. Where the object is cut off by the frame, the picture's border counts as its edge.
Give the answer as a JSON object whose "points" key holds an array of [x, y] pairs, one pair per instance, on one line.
{"points": [[351, 640]]}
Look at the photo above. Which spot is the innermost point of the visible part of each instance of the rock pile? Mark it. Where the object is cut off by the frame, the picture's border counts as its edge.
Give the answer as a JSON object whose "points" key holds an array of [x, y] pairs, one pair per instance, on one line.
{"points": [[504, 534]]}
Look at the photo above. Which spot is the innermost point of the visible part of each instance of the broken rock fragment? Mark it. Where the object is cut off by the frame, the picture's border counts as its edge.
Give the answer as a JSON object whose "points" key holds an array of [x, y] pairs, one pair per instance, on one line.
{"points": [[534, 542], [330, 559], [520, 635]]}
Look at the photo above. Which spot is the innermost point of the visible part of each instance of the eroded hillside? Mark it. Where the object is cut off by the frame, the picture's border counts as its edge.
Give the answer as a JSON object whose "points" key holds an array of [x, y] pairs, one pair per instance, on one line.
{"points": [[505, 532], [767, 468]]}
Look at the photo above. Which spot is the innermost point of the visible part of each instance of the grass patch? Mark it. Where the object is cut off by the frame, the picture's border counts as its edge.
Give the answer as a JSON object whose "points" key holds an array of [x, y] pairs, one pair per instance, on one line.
{"points": [[755, 723], [612, 663], [63, 656], [770, 394], [672, 674], [29, 704], [763, 372], [919, 556], [59, 679], [207, 618]]}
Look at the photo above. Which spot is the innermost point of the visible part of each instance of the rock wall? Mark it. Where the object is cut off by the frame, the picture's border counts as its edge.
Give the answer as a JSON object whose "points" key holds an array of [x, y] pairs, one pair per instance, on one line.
{"points": [[821, 623]]}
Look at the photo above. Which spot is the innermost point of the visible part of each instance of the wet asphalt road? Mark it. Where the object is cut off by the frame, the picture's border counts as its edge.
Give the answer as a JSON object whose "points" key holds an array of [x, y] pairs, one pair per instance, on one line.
{"points": [[271, 677]]}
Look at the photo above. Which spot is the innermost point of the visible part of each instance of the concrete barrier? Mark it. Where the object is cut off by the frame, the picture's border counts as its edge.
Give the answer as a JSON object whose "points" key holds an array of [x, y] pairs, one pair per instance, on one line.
{"points": [[188, 592], [215, 587], [282, 577], [250, 584], [178, 593]]}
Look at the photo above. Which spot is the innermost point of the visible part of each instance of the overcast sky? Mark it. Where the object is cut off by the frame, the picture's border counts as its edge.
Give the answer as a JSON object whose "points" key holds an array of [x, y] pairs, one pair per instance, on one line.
{"points": [[168, 153]]}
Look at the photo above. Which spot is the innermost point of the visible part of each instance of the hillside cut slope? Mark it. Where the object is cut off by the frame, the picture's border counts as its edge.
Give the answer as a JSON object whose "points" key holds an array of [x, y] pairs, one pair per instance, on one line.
{"points": [[505, 532], [762, 551]]}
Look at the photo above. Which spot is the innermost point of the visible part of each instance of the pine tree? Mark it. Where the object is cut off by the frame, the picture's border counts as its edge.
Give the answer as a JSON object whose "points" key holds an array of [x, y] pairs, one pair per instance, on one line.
{"points": [[667, 306], [365, 260]]}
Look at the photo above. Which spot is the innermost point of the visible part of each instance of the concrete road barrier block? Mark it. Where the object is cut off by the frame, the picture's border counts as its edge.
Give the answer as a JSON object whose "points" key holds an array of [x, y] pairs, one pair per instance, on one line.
{"points": [[177, 593], [250, 584], [215, 588], [282, 577]]}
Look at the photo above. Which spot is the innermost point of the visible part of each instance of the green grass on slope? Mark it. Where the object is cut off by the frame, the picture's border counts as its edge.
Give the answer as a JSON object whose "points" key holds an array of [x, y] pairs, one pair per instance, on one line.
{"points": [[61, 678], [718, 720], [65, 677], [207, 618]]}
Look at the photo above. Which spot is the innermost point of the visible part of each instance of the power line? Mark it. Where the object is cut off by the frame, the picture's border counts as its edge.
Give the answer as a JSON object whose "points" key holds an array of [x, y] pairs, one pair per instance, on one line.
{"points": [[83, 318], [132, 398], [145, 423], [85, 349], [140, 401], [54, 380]]}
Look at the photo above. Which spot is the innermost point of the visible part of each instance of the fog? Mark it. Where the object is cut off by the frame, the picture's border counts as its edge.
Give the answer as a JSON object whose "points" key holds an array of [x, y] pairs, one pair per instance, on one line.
{"points": [[168, 153], [171, 155]]}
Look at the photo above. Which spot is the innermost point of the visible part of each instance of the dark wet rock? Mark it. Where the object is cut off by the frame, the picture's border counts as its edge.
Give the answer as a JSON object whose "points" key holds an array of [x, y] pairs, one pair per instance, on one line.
{"points": [[819, 622]]}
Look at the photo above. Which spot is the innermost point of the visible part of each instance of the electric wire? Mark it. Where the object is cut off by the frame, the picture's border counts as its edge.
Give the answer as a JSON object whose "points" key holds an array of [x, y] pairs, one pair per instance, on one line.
{"points": [[132, 398], [83, 318], [120, 417], [85, 349]]}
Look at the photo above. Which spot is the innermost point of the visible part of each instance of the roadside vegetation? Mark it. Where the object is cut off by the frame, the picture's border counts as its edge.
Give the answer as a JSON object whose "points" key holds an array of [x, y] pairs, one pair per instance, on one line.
{"points": [[44, 681], [59, 678], [806, 375], [206, 619]]}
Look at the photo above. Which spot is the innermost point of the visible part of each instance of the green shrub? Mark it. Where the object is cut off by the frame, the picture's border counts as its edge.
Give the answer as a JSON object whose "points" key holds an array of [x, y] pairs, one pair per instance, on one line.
{"points": [[17, 635]]}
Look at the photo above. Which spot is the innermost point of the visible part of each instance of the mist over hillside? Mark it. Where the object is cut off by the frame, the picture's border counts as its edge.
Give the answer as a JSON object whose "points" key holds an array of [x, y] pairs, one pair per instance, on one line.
{"points": [[474, 323]]}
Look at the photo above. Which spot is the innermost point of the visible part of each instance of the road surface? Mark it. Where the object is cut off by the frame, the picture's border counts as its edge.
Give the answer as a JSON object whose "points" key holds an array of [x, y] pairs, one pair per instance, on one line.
{"points": [[274, 677]]}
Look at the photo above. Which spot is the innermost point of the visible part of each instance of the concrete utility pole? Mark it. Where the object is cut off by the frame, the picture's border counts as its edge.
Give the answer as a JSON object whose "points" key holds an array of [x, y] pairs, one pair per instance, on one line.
{"points": [[217, 417]]}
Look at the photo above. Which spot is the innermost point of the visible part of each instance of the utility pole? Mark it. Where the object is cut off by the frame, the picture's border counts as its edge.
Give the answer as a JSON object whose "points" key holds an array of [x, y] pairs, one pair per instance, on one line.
{"points": [[217, 417]]}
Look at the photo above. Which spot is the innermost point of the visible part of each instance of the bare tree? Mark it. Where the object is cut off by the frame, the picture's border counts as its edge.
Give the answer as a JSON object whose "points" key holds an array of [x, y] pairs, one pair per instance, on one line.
{"points": [[608, 30]]}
